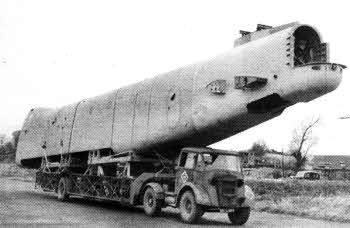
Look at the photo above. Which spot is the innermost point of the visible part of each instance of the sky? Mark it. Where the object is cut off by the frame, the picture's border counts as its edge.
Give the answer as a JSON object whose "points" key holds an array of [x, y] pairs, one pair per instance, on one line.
{"points": [[53, 53]]}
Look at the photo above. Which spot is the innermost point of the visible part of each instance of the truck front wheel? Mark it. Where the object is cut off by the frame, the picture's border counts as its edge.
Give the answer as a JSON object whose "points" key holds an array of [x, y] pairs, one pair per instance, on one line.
{"points": [[239, 216], [189, 209], [151, 205], [62, 189]]}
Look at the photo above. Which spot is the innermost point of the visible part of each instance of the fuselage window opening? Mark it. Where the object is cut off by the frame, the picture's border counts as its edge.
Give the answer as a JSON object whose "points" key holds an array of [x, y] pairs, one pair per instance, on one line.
{"points": [[308, 47]]}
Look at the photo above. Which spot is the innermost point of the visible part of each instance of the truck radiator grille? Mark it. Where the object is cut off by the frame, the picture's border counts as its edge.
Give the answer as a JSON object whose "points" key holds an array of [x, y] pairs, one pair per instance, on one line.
{"points": [[228, 193], [228, 188]]}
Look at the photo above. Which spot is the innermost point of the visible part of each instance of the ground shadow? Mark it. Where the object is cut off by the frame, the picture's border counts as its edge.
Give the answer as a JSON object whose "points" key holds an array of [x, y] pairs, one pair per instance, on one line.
{"points": [[169, 213]]}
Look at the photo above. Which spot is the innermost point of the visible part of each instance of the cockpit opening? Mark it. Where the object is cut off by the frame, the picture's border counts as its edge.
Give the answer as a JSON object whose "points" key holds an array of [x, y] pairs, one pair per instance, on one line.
{"points": [[308, 47]]}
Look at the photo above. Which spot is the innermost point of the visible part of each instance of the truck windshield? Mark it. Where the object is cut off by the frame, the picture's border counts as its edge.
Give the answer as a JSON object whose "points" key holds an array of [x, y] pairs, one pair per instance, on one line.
{"points": [[220, 161]]}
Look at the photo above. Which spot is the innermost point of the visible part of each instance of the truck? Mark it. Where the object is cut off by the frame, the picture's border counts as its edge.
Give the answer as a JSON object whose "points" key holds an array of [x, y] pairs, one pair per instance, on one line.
{"points": [[201, 180]]}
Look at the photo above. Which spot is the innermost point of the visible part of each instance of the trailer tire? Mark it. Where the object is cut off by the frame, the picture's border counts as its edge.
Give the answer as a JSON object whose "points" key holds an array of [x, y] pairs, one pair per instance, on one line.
{"points": [[239, 216], [62, 189], [151, 205], [189, 209]]}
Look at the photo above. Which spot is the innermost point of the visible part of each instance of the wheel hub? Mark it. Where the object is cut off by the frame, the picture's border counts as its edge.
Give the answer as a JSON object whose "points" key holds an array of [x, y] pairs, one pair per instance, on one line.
{"points": [[188, 206], [150, 201]]}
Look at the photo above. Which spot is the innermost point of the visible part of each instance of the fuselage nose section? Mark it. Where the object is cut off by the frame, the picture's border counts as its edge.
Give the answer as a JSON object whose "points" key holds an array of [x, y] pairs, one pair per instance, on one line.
{"points": [[333, 74], [313, 80]]}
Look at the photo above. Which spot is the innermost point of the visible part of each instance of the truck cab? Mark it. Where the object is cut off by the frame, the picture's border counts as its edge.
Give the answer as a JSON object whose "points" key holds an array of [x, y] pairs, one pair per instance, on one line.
{"points": [[209, 180]]}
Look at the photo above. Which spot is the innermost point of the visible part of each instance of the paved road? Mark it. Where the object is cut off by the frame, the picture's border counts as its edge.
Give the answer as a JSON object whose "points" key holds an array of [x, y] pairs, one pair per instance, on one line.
{"points": [[21, 205]]}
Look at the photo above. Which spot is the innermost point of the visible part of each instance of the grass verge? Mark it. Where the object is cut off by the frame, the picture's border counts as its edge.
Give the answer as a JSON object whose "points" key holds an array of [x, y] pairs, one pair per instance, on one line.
{"points": [[324, 199], [12, 170]]}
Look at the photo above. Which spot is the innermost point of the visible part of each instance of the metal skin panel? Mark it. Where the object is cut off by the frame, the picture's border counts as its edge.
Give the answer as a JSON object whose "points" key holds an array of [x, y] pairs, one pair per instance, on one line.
{"points": [[147, 115], [158, 126], [59, 129], [170, 108], [52, 135], [92, 129], [33, 133], [65, 121], [141, 115], [124, 118]]}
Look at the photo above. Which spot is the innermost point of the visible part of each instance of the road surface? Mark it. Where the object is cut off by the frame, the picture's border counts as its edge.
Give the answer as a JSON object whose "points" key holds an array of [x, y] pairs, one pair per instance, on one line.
{"points": [[21, 205]]}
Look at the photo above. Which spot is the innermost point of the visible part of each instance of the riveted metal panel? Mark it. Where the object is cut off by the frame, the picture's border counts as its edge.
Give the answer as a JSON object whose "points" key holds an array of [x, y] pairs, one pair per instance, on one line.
{"points": [[158, 124], [124, 118], [92, 127], [59, 127], [142, 108], [66, 117], [53, 135], [32, 137]]}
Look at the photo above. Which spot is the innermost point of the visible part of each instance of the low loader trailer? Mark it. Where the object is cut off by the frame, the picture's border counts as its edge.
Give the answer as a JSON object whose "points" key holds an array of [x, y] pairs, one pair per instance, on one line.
{"points": [[200, 180]]}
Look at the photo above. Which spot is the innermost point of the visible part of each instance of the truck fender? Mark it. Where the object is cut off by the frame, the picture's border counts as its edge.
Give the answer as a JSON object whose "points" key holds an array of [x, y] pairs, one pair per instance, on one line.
{"points": [[201, 196], [249, 197], [137, 186], [157, 188]]}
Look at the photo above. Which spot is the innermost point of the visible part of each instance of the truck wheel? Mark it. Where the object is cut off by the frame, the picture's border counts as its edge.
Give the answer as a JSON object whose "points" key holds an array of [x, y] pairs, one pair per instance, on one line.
{"points": [[151, 205], [239, 216], [189, 209], [62, 189]]}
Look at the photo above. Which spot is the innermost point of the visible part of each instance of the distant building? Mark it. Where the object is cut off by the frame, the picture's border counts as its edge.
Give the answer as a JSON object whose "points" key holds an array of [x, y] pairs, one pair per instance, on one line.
{"points": [[333, 167], [272, 159]]}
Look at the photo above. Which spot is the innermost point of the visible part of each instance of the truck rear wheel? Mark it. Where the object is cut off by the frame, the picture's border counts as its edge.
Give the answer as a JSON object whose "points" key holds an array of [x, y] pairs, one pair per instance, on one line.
{"points": [[151, 205], [239, 216], [189, 209], [62, 189]]}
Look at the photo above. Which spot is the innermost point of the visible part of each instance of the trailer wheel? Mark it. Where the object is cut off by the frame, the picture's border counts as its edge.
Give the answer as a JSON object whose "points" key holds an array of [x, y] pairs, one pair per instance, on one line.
{"points": [[189, 209], [239, 216], [62, 189], [151, 205]]}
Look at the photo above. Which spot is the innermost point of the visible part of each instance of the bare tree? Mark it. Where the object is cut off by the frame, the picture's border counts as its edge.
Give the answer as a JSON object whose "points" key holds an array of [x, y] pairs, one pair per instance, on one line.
{"points": [[301, 143]]}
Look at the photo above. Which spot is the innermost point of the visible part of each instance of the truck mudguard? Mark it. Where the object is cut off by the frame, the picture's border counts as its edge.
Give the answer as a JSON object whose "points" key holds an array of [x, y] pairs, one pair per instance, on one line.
{"points": [[157, 188], [201, 196]]}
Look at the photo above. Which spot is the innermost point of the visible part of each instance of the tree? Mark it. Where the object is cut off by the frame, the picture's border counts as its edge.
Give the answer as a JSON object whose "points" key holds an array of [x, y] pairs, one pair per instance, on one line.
{"points": [[301, 143], [259, 149], [2, 139], [15, 138], [8, 149]]}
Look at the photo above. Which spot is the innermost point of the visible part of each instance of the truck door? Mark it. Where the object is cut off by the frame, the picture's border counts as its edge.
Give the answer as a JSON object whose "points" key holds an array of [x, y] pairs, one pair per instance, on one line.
{"points": [[187, 170]]}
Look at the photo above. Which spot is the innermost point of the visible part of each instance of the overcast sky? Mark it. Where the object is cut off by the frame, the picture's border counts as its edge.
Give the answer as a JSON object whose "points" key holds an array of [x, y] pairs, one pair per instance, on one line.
{"points": [[57, 52]]}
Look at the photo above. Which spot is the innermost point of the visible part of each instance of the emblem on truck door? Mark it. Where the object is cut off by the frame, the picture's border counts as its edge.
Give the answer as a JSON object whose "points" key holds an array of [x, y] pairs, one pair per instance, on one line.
{"points": [[184, 176]]}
